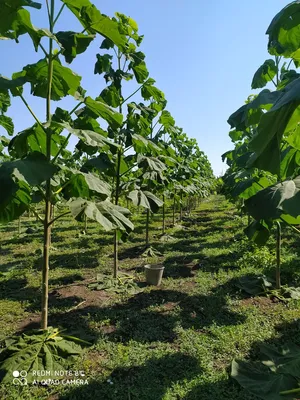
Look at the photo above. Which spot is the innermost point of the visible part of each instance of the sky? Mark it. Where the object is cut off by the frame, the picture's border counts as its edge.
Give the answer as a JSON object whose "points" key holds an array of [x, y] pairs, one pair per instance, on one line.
{"points": [[202, 54]]}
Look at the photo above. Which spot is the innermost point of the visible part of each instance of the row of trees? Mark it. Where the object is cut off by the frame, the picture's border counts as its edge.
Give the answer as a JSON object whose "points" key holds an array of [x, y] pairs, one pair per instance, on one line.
{"points": [[263, 172], [264, 177], [129, 146]]}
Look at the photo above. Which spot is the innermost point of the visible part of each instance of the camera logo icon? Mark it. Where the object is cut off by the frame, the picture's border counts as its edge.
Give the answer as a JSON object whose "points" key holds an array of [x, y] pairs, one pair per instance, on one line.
{"points": [[20, 378]]}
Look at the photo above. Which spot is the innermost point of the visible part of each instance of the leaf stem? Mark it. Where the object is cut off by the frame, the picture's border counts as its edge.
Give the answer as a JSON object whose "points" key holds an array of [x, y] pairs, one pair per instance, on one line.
{"points": [[37, 215], [59, 13], [48, 9], [289, 64], [30, 109], [273, 80], [132, 94], [58, 217], [44, 50], [63, 146]]}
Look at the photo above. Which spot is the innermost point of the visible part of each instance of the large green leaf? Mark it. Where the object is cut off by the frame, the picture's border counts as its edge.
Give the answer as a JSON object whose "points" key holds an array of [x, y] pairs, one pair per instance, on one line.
{"points": [[264, 74], [145, 199], [166, 119], [40, 350], [250, 113], [15, 199], [290, 162], [33, 169], [284, 32], [260, 381], [151, 163], [73, 43], [249, 187], [108, 215], [101, 109], [33, 139], [258, 232], [281, 119], [292, 205], [255, 285], [90, 138], [7, 124], [14, 19], [4, 101], [285, 360], [11, 84], [65, 81], [95, 22], [103, 64], [142, 144], [84, 184], [102, 163], [149, 91], [138, 67], [267, 203], [111, 96]]}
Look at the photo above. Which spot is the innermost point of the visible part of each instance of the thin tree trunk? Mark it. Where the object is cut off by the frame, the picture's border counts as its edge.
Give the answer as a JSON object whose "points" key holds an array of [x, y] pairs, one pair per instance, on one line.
{"points": [[19, 226], [278, 251], [147, 227], [164, 221], [116, 259], [85, 224], [180, 206], [118, 140], [47, 226], [45, 273], [174, 204]]}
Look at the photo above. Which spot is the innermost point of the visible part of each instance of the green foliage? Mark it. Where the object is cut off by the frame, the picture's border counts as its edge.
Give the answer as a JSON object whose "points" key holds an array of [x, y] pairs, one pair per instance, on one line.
{"points": [[265, 164], [275, 377], [124, 284], [65, 81], [109, 215], [40, 350], [264, 74], [284, 32]]}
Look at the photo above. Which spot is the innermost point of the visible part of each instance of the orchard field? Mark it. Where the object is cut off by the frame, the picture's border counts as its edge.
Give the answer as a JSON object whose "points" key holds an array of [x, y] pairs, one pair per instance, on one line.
{"points": [[172, 342]]}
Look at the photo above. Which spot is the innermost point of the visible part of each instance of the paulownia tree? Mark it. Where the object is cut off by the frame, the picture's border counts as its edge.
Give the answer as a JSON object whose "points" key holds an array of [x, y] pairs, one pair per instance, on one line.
{"points": [[38, 165]]}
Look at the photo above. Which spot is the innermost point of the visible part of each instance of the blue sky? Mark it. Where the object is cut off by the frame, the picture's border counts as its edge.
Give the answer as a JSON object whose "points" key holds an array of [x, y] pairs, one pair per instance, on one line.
{"points": [[202, 54]]}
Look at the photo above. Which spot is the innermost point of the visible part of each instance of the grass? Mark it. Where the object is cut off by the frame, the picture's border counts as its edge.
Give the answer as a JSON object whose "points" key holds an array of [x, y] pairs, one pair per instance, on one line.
{"points": [[172, 342]]}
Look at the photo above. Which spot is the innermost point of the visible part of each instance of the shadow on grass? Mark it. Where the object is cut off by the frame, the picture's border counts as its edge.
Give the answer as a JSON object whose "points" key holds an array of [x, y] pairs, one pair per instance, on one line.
{"points": [[76, 260], [149, 317], [143, 382], [184, 266], [65, 280], [288, 332]]}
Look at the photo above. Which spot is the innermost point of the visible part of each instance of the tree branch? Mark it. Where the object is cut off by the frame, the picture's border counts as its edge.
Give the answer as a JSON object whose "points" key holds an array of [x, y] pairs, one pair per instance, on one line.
{"points": [[58, 217]]}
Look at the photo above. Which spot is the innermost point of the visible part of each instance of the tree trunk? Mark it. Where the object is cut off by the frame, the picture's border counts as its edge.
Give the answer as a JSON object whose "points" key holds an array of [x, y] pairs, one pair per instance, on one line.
{"points": [[181, 206], [174, 204], [19, 226], [85, 224], [47, 226], [45, 272], [147, 227], [278, 251], [164, 220], [116, 259]]}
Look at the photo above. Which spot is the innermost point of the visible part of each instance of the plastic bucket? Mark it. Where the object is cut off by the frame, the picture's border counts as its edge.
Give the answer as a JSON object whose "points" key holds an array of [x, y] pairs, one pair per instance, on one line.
{"points": [[154, 273]]}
